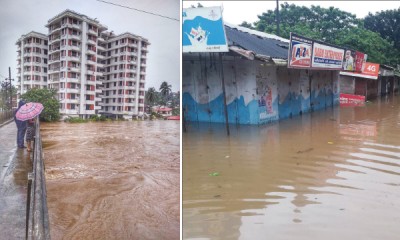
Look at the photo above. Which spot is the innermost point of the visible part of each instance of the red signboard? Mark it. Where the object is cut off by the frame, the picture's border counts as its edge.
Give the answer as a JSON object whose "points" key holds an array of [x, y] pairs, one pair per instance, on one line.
{"points": [[371, 69], [349, 100], [361, 58]]}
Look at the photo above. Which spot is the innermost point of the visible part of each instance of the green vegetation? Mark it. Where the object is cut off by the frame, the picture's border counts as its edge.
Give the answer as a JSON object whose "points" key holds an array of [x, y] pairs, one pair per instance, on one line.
{"points": [[47, 97], [377, 35], [92, 118]]}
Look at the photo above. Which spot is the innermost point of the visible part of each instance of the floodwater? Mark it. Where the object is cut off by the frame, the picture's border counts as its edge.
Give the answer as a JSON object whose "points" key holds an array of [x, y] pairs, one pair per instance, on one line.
{"points": [[113, 180], [331, 174]]}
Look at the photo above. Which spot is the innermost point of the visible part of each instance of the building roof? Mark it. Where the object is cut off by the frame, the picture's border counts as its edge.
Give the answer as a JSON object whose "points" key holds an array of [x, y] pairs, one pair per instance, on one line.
{"points": [[260, 43]]}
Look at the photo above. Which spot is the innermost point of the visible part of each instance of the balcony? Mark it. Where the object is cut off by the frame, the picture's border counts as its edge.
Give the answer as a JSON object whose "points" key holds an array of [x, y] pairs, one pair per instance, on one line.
{"points": [[90, 51], [75, 37], [55, 29], [90, 92], [130, 104], [91, 31], [56, 39], [91, 41], [75, 101], [102, 57], [74, 69], [75, 48], [101, 48], [97, 107], [72, 90], [75, 58], [101, 39]]}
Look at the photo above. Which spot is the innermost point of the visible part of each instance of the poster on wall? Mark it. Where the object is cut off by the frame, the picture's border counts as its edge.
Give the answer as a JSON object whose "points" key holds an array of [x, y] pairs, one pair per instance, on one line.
{"points": [[299, 52], [361, 59], [203, 30], [326, 57], [349, 60]]}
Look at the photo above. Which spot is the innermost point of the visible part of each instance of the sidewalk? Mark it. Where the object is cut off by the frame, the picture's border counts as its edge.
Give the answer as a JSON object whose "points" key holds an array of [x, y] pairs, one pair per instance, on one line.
{"points": [[14, 167]]}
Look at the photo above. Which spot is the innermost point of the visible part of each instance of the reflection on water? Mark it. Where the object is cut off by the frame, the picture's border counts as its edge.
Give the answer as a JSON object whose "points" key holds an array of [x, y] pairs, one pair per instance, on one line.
{"points": [[333, 174], [113, 180]]}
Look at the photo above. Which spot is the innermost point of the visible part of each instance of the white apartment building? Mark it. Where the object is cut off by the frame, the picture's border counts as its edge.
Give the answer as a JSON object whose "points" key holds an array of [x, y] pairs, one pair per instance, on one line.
{"points": [[125, 75], [93, 70], [74, 66], [32, 62]]}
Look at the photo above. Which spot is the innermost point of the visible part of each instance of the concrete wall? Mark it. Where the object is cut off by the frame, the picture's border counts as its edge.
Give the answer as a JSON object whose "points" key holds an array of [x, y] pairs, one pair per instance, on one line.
{"points": [[256, 93]]}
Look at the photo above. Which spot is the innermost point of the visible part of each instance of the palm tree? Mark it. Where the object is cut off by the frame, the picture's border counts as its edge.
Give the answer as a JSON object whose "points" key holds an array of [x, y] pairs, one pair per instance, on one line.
{"points": [[165, 89], [151, 97]]}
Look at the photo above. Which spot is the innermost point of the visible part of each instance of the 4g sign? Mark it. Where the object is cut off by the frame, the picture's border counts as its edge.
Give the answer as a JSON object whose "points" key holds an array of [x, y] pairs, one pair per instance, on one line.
{"points": [[371, 69]]}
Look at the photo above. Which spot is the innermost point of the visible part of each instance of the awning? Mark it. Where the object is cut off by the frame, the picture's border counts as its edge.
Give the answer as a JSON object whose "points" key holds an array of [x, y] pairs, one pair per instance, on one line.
{"points": [[360, 75]]}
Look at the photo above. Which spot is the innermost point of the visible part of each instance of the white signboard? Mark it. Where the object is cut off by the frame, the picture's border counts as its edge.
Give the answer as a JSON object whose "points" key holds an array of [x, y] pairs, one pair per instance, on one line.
{"points": [[203, 30], [327, 57]]}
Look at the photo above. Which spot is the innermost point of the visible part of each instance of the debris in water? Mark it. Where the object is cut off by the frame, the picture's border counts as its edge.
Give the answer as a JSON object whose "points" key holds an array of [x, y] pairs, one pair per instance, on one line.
{"points": [[304, 151], [214, 174], [330, 142]]}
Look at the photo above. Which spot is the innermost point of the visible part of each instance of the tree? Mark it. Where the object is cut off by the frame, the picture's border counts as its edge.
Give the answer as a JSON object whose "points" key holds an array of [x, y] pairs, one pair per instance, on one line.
{"points": [[246, 25], [322, 23], [387, 24], [330, 25], [47, 97], [151, 96], [165, 89]]}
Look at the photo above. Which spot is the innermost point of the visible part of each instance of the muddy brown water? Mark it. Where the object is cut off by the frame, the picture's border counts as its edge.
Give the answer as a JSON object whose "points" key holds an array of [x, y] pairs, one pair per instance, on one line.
{"points": [[113, 180], [331, 174]]}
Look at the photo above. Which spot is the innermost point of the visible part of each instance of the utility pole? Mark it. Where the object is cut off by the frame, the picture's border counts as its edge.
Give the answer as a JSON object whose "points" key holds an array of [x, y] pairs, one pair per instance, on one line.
{"points": [[9, 78], [277, 17]]}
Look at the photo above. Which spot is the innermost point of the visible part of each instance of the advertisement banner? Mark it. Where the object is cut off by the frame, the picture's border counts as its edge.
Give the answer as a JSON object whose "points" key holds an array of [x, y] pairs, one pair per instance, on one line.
{"points": [[327, 57], [203, 30], [299, 52], [371, 69], [349, 100], [349, 60], [361, 59]]}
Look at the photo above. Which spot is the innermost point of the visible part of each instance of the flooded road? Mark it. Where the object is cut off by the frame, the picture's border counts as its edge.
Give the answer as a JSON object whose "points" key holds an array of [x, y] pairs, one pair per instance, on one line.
{"points": [[332, 174], [113, 180]]}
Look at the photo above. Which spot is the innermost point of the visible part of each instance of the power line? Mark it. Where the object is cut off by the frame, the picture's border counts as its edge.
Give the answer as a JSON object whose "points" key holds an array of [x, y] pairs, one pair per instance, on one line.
{"points": [[155, 14]]}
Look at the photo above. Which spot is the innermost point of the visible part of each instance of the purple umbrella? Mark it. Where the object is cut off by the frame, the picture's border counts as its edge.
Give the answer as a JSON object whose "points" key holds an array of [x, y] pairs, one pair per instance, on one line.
{"points": [[29, 111]]}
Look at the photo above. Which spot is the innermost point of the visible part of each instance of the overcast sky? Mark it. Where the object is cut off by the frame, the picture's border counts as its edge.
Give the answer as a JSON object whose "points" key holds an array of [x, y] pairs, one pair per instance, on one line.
{"points": [[235, 12], [19, 17]]}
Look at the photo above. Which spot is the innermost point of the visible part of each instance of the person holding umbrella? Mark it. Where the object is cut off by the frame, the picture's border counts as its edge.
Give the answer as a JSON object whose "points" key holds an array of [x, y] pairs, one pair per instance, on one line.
{"points": [[21, 126], [28, 112]]}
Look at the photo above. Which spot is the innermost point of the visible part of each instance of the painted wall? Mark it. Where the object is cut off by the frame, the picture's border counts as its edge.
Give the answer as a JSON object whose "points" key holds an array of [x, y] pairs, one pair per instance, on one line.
{"points": [[256, 93]]}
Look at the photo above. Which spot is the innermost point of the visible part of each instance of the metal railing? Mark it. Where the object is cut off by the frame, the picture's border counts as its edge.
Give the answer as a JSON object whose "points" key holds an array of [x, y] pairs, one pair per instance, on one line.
{"points": [[5, 116], [37, 213]]}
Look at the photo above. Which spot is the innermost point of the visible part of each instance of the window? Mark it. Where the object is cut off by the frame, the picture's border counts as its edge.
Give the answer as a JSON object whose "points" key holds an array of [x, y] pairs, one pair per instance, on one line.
{"points": [[72, 106]]}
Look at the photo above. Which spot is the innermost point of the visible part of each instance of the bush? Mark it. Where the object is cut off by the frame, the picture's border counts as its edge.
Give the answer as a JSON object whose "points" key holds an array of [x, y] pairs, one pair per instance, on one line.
{"points": [[75, 120]]}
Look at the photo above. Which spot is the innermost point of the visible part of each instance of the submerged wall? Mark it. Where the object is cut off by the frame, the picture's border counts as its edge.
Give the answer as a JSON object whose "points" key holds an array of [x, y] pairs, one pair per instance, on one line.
{"points": [[256, 93]]}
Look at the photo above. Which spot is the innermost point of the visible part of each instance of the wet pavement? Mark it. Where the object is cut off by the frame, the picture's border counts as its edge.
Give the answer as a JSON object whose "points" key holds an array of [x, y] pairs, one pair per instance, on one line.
{"points": [[331, 174], [14, 167], [113, 180]]}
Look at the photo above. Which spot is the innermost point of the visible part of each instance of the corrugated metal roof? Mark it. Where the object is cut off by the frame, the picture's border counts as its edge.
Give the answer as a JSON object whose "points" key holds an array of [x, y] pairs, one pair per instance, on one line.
{"points": [[257, 43]]}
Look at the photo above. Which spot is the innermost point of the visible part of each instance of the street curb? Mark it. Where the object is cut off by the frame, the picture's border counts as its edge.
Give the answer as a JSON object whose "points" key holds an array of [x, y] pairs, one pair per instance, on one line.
{"points": [[6, 122]]}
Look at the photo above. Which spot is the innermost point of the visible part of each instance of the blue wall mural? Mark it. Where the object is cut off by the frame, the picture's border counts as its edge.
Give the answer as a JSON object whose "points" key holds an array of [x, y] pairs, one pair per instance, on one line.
{"points": [[256, 90]]}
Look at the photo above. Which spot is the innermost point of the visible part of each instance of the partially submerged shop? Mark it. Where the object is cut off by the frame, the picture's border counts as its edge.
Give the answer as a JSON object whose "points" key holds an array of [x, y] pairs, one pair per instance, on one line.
{"points": [[248, 77], [356, 88]]}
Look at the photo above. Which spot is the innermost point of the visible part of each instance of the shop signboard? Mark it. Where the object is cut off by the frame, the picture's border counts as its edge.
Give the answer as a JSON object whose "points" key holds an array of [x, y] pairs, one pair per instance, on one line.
{"points": [[326, 57], [299, 52], [203, 30]]}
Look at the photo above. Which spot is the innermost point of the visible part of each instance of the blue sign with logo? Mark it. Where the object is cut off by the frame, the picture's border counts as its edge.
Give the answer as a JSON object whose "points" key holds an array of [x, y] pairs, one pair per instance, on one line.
{"points": [[203, 30]]}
